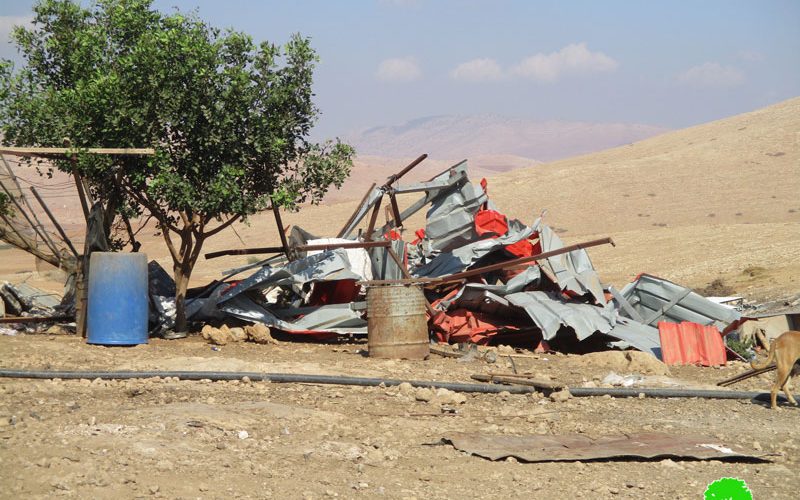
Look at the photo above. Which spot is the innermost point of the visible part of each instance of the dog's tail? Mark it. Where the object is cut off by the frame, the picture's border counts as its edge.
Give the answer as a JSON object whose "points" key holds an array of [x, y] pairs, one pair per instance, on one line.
{"points": [[766, 363]]}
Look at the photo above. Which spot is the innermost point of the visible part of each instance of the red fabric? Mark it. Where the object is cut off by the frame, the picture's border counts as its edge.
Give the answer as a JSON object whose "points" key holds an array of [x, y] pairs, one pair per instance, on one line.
{"points": [[393, 235], [334, 292], [420, 233], [484, 184], [690, 343], [461, 325], [490, 223]]}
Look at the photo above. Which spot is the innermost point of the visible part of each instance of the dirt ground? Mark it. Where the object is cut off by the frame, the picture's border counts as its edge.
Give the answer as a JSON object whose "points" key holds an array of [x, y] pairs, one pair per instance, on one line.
{"points": [[184, 439]]}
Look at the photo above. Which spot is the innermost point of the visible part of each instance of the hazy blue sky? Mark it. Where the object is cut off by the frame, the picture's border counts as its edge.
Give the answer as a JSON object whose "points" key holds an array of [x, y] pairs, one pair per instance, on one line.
{"points": [[383, 62]]}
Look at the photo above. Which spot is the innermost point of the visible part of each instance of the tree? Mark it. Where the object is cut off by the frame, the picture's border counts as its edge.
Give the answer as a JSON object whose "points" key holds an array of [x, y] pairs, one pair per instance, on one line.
{"points": [[229, 119]]}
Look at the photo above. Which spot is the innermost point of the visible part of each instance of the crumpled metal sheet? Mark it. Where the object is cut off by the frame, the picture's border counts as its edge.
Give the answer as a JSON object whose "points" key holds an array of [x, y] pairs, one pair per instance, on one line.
{"points": [[463, 257], [358, 258], [574, 270], [550, 314], [634, 334], [334, 318], [450, 221], [645, 445], [657, 299], [326, 266]]}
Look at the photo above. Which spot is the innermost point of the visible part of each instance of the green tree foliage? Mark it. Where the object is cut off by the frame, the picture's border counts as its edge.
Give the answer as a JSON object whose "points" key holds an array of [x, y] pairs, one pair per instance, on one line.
{"points": [[229, 119]]}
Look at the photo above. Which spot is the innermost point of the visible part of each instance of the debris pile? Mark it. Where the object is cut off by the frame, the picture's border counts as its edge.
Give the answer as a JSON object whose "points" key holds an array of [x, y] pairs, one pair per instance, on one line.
{"points": [[487, 278]]}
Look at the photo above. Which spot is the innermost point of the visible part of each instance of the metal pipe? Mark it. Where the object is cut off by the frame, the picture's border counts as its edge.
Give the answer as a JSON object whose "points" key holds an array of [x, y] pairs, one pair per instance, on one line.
{"points": [[286, 378]]}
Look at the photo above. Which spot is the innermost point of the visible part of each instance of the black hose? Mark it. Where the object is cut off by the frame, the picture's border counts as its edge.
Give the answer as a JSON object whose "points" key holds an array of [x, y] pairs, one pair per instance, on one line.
{"points": [[374, 382]]}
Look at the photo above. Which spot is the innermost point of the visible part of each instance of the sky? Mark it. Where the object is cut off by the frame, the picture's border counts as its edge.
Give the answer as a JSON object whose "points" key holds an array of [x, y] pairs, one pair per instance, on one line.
{"points": [[386, 62]]}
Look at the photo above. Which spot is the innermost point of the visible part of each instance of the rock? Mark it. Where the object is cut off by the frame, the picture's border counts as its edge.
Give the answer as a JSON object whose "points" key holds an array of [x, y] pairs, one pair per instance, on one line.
{"points": [[243, 434], [237, 334], [154, 489], [560, 396], [423, 394], [406, 389], [448, 397], [259, 333], [757, 446], [216, 336]]}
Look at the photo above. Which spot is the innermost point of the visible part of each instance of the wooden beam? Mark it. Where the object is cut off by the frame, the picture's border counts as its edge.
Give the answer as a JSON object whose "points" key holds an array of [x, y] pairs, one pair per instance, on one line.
{"points": [[48, 152], [523, 260], [284, 243], [373, 219], [55, 223]]}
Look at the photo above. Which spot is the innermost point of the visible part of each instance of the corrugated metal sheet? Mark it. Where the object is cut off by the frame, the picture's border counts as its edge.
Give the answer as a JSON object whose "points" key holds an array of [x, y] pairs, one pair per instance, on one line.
{"points": [[689, 343], [657, 299]]}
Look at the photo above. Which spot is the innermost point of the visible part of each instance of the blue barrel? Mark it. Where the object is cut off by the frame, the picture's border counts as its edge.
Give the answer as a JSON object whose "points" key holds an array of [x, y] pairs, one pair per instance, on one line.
{"points": [[118, 301]]}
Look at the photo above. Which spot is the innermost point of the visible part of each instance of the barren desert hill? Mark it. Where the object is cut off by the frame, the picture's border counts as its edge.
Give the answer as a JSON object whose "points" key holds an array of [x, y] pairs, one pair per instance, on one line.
{"points": [[453, 137]]}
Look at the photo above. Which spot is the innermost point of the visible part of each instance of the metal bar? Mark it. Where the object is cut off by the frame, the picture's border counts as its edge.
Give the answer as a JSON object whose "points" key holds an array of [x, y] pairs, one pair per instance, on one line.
{"points": [[55, 223], [244, 251], [353, 216], [523, 260], [746, 375], [299, 248], [666, 307], [355, 244], [408, 276], [33, 319], [395, 177], [69, 151], [373, 219], [79, 185], [625, 305], [285, 244], [398, 217]]}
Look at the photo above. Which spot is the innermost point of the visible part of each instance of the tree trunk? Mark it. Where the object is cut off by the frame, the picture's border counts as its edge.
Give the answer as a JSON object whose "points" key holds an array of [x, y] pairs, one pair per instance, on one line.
{"points": [[181, 276], [191, 244]]}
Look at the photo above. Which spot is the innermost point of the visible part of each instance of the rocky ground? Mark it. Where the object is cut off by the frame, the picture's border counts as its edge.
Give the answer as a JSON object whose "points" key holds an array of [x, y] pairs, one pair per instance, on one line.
{"points": [[240, 439]]}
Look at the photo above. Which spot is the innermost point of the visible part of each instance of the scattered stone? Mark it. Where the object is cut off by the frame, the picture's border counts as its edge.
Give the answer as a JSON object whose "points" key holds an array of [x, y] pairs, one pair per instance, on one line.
{"points": [[561, 396], [154, 489], [164, 466], [406, 389], [447, 397], [259, 333], [624, 362], [243, 434], [237, 334], [423, 394]]}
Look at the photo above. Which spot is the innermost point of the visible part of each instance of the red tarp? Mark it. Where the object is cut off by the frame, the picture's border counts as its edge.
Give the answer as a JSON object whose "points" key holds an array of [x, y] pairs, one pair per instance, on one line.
{"points": [[689, 343]]}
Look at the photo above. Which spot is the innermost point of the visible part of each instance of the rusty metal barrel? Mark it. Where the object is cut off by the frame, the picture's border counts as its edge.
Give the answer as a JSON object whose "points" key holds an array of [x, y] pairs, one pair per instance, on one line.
{"points": [[397, 326]]}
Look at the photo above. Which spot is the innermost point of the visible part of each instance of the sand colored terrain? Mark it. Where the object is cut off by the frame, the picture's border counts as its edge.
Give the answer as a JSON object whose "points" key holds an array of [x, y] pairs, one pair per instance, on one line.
{"points": [[719, 200]]}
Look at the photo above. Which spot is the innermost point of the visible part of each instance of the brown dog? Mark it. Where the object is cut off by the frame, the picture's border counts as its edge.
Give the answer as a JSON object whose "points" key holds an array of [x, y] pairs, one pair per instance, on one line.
{"points": [[785, 350]]}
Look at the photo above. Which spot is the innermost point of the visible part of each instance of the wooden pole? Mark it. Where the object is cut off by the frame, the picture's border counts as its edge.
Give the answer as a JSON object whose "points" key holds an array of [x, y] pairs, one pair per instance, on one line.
{"points": [[55, 223], [373, 219], [353, 216], [284, 243]]}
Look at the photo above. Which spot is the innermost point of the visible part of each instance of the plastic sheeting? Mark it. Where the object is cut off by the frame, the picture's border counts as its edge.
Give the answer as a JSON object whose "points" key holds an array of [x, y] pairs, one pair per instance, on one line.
{"points": [[688, 343]]}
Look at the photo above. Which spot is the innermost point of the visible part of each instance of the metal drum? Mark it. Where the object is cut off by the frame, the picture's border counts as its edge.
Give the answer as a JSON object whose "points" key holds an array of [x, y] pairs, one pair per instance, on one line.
{"points": [[117, 302], [397, 326]]}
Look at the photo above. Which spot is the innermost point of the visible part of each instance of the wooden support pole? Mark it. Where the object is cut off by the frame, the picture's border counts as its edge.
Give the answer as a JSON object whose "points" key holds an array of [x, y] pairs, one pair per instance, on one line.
{"points": [[373, 219], [55, 223], [395, 177], [284, 243], [42, 234], [398, 218], [408, 276]]}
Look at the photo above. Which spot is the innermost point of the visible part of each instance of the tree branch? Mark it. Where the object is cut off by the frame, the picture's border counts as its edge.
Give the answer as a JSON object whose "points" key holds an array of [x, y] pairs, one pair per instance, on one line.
{"points": [[222, 226]]}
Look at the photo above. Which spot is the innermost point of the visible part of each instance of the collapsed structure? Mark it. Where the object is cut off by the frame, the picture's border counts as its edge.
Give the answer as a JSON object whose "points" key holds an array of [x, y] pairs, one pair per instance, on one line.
{"points": [[487, 279]]}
